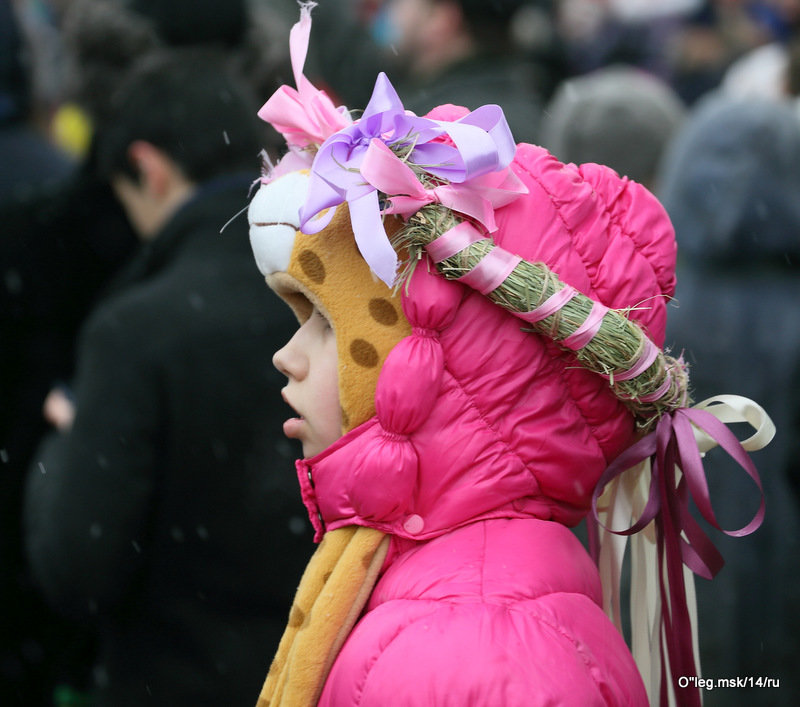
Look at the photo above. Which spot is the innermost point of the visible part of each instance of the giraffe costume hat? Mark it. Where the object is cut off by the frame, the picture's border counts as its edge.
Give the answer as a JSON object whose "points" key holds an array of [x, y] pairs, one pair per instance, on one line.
{"points": [[330, 274], [327, 273], [326, 227]]}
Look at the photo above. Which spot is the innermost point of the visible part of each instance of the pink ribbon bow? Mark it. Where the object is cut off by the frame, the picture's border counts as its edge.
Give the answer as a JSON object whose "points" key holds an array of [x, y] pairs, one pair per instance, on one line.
{"points": [[477, 198], [306, 115]]}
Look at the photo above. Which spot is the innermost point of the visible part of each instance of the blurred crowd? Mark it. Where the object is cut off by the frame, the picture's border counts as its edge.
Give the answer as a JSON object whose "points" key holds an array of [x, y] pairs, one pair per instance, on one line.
{"points": [[697, 99]]}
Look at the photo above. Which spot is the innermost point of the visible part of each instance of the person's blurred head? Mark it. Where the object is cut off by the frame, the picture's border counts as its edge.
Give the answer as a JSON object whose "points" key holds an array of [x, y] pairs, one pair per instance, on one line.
{"points": [[104, 38], [192, 22], [430, 34], [179, 119], [487, 16], [730, 179], [186, 103], [619, 116]]}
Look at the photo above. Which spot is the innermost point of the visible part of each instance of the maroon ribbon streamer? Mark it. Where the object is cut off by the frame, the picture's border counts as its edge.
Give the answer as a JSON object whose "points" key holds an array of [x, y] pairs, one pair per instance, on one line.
{"points": [[680, 539]]}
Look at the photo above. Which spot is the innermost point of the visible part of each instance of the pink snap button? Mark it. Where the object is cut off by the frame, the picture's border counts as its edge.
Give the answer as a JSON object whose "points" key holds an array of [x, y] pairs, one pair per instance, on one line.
{"points": [[413, 524]]}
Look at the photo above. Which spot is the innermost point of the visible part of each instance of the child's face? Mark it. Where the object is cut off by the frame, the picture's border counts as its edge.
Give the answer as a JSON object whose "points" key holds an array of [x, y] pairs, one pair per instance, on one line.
{"points": [[309, 360]]}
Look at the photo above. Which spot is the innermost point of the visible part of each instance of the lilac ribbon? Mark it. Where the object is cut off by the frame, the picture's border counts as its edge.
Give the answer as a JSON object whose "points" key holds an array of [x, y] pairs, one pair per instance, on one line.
{"points": [[360, 160], [356, 161], [476, 197], [672, 447]]}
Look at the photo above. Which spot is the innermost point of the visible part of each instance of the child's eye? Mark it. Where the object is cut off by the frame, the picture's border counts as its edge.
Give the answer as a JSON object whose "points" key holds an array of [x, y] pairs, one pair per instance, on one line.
{"points": [[322, 319]]}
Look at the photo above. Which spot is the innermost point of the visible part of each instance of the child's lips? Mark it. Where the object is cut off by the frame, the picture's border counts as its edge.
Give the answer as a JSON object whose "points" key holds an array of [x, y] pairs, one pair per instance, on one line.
{"points": [[292, 428]]}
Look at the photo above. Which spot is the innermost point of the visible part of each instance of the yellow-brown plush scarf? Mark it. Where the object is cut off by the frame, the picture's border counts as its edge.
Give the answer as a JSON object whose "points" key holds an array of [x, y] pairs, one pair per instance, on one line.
{"points": [[332, 593], [327, 271]]}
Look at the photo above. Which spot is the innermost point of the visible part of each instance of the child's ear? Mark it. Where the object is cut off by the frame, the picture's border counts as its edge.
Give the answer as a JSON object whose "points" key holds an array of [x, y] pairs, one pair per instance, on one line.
{"points": [[153, 167]]}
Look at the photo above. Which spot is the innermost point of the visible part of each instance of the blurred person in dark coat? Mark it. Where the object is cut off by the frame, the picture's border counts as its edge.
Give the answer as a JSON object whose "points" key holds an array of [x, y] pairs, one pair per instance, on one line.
{"points": [[730, 183], [30, 161], [164, 510], [61, 245]]}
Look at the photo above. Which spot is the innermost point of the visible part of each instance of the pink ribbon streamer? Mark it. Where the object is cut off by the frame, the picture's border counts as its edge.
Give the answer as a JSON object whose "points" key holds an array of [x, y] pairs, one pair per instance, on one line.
{"points": [[658, 392], [469, 157], [644, 362], [680, 539], [305, 115], [550, 306], [586, 331], [363, 157], [491, 270], [453, 241]]}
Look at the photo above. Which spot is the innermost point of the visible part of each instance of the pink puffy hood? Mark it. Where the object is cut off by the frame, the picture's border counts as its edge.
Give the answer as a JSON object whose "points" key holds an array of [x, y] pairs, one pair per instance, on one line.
{"points": [[477, 418]]}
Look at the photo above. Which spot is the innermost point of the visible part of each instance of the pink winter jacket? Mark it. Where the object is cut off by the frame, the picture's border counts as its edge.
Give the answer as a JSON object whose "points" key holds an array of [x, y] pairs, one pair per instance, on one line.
{"points": [[487, 442], [497, 613]]}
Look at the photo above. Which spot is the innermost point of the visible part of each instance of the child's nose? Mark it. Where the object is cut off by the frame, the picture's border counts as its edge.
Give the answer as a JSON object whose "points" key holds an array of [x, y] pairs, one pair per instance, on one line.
{"points": [[279, 361], [289, 360]]}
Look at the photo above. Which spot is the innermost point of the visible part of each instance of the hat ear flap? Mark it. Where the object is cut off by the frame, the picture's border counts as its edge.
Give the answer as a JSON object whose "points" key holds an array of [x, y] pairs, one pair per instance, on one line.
{"points": [[407, 390], [409, 382]]}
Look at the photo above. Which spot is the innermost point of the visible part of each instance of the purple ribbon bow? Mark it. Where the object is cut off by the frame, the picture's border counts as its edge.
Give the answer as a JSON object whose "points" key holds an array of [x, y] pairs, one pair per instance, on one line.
{"points": [[349, 167]]}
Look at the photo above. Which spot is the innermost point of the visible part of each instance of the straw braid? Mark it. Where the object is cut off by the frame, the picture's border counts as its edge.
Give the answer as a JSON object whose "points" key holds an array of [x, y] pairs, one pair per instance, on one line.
{"points": [[604, 340]]}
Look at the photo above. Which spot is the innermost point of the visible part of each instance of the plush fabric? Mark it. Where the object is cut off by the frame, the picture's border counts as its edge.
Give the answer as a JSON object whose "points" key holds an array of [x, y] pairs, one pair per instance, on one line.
{"points": [[335, 588], [329, 273]]}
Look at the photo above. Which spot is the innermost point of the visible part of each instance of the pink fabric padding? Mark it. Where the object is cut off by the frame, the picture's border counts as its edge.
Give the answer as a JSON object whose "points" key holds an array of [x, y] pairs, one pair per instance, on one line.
{"points": [[417, 364], [453, 241], [491, 271], [587, 331], [550, 306], [645, 360]]}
